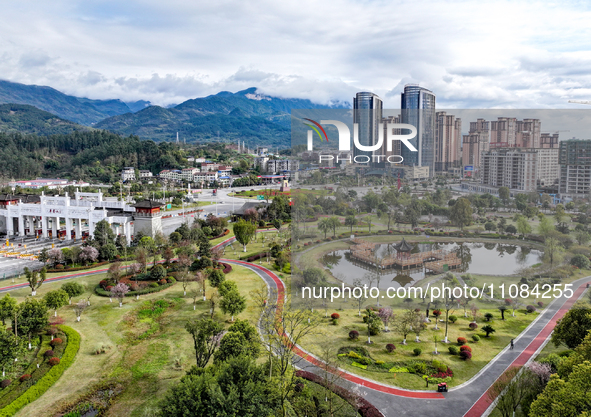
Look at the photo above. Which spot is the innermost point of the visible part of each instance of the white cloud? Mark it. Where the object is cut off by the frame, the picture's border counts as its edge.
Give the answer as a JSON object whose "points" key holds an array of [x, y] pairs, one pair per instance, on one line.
{"points": [[471, 54]]}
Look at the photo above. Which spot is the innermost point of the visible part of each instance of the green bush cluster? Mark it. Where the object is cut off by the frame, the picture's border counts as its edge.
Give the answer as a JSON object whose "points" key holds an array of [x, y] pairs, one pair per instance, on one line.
{"points": [[441, 367], [50, 377], [454, 350], [149, 290]]}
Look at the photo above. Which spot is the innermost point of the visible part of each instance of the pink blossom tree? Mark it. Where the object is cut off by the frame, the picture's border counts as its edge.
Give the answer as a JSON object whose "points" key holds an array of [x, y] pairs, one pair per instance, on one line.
{"points": [[119, 291], [385, 314], [88, 254]]}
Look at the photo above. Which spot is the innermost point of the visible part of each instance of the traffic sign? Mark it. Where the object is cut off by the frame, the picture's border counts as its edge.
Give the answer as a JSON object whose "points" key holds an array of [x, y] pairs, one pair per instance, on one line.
{"points": [[260, 197]]}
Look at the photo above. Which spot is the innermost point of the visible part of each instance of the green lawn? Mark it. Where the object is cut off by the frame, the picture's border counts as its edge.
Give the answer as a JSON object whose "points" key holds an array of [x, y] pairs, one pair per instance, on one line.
{"points": [[145, 367]]}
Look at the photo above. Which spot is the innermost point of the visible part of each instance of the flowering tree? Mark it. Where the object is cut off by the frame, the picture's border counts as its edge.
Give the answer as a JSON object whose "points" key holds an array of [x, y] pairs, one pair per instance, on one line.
{"points": [[385, 314], [119, 291], [55, 255], [88, 254], [541, 370]]}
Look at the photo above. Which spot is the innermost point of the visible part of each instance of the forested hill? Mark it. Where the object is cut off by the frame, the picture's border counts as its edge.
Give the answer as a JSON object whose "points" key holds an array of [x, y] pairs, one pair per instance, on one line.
{"points": [[95, 156], [246, 116], [28, 119], [75, 109]]}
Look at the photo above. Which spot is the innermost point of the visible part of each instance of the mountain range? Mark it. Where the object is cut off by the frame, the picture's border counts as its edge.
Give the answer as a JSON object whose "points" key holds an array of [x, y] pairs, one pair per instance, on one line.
{"points": [[246, 115]]}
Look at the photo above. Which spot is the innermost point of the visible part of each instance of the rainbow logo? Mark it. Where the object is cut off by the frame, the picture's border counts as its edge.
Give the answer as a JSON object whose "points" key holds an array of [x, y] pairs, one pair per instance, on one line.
{"points": [[319, 127]]}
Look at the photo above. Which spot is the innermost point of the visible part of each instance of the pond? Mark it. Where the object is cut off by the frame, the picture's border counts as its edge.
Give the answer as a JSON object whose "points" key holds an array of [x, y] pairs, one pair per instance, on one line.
{"points": [[477, 258]]}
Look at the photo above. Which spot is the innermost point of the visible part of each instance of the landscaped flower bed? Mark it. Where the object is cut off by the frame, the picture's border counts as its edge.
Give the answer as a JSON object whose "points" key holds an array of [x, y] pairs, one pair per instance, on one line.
{"points": [[38, 380], [435, 370]]}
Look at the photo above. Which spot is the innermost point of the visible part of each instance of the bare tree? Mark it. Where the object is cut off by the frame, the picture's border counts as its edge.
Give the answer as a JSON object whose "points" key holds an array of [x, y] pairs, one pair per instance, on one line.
{"points": [[79, 308], [282, 331], [114, 271]]}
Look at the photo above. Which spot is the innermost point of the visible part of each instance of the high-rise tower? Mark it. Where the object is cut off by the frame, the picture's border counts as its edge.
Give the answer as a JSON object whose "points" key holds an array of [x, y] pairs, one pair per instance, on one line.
{"points": [[418, 109], [367, 113]]}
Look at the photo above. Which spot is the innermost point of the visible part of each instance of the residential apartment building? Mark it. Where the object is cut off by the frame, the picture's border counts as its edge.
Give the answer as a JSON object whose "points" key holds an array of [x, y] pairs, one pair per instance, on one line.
{"points": [[448, 141], [510, 132], [575, 168], [280, 165], [475, 143], [128, 174], [519, 169]]}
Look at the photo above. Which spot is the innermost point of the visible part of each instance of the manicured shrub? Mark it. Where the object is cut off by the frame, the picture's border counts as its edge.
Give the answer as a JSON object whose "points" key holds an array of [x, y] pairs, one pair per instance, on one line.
{"points": [[473, 326], [465, 347], [162, 282], [56, 341], [461, 341], [475, 337], [108, 288], [465, 355], [51, 331], [530, 309], [335, 316], [49, 353], [353, 334], [417, 351], [453, 350], [5, 383], [134, 287], [171, 280], [24, 377], [437, 313], [488, 316], [335, 321], [103, 283], [540, 304], [153, 285], [54, 361], [59, 266], [452, 319], [390, 347]]}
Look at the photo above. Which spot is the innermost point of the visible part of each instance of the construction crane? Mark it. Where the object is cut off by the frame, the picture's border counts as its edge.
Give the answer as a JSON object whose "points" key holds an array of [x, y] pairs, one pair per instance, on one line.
{"points": [[580, 101]]}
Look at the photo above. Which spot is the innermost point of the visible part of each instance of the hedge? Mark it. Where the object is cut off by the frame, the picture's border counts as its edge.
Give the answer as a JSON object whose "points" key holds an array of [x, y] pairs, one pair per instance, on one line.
{"points": [[364, 407], [149, 290], [225, 233], [227, 268], [79, 268], [256, 256], [50, 377]]}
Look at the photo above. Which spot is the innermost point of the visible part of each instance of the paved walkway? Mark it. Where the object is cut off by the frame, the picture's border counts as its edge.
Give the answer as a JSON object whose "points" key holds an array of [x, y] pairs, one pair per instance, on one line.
{"points": [[468, 399]]}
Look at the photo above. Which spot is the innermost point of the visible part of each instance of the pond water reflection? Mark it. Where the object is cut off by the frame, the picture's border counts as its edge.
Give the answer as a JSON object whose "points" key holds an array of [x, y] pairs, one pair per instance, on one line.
{"points": [[479, 258]]}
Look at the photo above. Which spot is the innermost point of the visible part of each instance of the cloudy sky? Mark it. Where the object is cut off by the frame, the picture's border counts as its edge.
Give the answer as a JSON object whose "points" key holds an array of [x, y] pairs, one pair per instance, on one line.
{"points": [[501, 54]]}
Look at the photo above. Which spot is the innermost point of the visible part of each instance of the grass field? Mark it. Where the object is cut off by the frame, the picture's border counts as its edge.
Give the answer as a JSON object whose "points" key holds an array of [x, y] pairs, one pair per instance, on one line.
{"points": [[145, 367]]}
